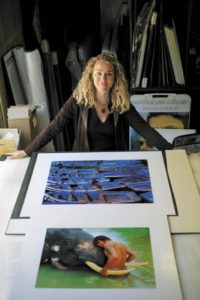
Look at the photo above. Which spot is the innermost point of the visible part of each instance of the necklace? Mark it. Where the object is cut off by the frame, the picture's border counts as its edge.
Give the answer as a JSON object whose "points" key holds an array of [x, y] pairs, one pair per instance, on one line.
{"points": [[102, 108]]}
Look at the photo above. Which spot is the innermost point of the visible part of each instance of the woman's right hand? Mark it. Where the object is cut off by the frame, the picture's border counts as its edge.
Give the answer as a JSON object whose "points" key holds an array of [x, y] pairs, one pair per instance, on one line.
{"points": [[17, 154]]}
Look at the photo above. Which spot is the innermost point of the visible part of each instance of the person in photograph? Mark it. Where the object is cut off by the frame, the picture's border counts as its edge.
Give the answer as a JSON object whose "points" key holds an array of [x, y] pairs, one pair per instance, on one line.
{"points": [[117, 254]]}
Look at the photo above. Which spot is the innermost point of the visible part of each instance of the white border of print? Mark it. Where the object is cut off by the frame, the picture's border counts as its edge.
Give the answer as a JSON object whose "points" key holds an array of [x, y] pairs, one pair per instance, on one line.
{"points": [[167, 282], [160, 186]]}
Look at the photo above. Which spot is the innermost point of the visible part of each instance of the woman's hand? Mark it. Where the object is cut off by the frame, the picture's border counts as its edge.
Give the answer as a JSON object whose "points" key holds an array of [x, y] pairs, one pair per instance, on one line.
{"points": [[17, 154]]}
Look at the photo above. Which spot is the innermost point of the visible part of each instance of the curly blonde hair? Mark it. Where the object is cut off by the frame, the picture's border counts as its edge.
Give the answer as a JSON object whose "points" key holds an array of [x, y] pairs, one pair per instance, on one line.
{"points": [[84, 93]]}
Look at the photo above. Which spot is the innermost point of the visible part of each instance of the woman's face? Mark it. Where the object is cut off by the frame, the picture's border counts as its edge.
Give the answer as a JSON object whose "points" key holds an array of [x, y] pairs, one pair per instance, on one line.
{"points": [[103, 76]]}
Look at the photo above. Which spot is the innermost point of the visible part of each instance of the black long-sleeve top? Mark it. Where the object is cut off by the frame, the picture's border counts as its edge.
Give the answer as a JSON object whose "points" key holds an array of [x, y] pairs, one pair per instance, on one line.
{"points": [[78, 114]]}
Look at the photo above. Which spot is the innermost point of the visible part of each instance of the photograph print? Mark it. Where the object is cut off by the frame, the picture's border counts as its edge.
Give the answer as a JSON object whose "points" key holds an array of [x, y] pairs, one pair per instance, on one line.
{"points": [[98, 181], [96, 258]]}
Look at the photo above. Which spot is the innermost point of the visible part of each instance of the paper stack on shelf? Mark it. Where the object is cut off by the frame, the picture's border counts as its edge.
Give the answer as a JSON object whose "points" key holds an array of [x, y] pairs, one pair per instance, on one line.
{"points": [[174, 53], [150, 51], [156, 58], [140, 40]]}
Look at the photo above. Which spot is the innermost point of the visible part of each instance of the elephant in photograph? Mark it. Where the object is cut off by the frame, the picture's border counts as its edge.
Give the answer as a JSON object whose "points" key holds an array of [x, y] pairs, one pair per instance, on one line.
{"points": [[69, 249]]}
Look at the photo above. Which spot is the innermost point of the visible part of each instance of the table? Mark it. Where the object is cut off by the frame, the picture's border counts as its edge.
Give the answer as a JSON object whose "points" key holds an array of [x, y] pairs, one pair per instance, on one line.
{"points": [[186, 246]]}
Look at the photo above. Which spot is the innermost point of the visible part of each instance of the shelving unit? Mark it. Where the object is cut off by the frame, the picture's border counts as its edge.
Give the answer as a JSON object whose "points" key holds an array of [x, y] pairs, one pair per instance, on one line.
{"points": [[186, 18], [77, 22]]}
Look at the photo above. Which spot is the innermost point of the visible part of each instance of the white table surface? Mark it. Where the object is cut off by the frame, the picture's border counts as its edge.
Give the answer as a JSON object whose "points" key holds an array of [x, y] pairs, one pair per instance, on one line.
{"points": [[186, 246]]}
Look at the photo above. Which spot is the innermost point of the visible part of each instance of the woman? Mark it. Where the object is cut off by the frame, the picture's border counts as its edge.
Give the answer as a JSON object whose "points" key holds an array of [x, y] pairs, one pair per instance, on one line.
{"points": [[100, 110]]}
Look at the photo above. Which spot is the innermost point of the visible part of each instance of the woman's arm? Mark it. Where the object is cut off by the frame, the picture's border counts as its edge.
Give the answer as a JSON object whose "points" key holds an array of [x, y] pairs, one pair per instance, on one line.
{"points": [[65, 115], [152, 137]]}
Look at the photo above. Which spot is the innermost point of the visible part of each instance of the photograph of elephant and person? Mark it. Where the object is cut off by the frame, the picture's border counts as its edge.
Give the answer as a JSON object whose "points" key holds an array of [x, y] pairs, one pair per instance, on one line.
{"points": [[96, 258], [100, 181]]}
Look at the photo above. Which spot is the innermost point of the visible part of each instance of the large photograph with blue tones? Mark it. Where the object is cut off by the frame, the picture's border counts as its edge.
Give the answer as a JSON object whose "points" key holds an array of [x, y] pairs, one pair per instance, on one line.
{"points": [[96, 258], [100, 181]]}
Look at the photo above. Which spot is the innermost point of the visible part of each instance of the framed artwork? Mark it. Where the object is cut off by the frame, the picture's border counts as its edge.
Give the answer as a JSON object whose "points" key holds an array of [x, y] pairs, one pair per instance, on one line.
{"points": [[65, 259]]}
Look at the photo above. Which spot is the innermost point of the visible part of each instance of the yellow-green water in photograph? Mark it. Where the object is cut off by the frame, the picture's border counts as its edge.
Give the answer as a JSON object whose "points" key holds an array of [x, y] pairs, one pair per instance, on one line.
{"points": [[137, 239]]}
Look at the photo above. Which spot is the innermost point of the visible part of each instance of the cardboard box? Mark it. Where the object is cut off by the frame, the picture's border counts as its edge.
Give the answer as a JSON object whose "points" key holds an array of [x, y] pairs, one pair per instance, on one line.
{"points": [[8, 145], [27, 126]]}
